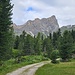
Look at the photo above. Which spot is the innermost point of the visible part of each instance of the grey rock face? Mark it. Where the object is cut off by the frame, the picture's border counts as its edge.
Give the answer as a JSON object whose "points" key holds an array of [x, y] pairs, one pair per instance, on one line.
{"points": [[44, 25], [68, 27]]}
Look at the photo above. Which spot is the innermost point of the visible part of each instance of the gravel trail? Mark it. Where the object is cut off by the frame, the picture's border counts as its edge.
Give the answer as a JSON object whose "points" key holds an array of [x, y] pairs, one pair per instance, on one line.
{"points": [[29, 69]]}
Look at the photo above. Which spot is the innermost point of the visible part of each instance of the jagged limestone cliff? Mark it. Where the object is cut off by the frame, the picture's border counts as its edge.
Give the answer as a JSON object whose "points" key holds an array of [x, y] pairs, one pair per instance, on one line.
{"points": [[44, 25]]}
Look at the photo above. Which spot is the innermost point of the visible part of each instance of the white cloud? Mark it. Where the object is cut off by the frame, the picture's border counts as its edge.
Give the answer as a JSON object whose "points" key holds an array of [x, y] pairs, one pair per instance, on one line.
{"points": [[64, 10]]}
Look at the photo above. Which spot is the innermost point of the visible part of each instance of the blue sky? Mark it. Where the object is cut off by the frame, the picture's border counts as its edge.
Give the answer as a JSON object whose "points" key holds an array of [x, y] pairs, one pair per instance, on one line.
{"points": [[25, 10], [30, 8]]}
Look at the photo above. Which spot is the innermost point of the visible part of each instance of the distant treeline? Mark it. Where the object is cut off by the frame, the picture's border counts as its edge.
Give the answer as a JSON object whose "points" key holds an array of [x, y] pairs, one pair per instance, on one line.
{"points": [[45, 45]]}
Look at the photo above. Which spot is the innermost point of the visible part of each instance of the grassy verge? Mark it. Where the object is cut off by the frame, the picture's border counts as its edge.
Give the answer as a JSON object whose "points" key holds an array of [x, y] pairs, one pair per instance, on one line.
{"points": [[10, 65], [66, 68]]}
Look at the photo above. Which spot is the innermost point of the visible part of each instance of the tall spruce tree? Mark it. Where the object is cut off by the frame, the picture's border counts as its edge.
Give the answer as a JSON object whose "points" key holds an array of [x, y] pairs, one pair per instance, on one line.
{"points": [[73, 35], [28, 47], [58, 38], [66, 46], [22, 39], [54, 40], [38, 44], [16, 43], [5, 22], [47, 47]]}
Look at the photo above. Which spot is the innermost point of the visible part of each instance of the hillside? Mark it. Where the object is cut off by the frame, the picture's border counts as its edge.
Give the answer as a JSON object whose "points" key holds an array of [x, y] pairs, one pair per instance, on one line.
{"points": [[68, 27]]}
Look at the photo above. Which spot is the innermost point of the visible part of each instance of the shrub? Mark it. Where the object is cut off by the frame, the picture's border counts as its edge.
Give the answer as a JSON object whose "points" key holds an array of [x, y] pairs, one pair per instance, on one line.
{"points": [[54, 56]]}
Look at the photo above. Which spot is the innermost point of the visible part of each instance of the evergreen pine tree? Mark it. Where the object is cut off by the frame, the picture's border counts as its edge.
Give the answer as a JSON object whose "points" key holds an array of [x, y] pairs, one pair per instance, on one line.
{"points": [[54, 40], [16, 43], [47, 47], [28, 48], [73, 35], [5, 28], [66, 46], [38, 44]]}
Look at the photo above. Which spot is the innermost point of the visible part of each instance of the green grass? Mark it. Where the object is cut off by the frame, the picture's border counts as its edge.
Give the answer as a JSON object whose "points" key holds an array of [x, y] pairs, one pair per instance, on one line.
{"points": [[10, 65], [66, 68]]}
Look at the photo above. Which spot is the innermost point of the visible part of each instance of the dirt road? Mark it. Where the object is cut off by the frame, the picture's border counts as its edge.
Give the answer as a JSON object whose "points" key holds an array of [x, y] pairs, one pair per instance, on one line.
{"points": [[29, 69]]}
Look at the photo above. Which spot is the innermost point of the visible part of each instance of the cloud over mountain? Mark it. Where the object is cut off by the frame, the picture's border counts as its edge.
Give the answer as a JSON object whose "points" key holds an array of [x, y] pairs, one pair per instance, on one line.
{"points": [[29, 9]]}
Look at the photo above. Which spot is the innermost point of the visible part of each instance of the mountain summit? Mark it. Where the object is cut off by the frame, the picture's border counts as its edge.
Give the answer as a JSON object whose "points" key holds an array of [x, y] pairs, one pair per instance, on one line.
{"points": [[44, 25]]}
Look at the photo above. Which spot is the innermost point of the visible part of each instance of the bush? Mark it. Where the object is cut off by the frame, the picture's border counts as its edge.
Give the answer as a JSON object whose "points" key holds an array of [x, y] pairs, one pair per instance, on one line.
{"points": [[1, 63], [16, 53], [45, 58], [32, 58], [54, 56]]}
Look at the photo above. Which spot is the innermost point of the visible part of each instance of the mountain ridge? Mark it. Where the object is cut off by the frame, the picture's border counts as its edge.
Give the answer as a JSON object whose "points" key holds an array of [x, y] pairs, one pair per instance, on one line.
{"points": [[44, 25], [67, 27]]}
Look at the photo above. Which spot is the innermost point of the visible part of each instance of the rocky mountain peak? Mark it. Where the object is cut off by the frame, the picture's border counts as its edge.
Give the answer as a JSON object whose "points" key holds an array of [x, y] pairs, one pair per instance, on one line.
{"points": [[53, 16], [44, 25], [36, 19]]}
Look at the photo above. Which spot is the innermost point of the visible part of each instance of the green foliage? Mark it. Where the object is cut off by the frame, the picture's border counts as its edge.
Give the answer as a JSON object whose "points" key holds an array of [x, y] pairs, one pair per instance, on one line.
{"points": [[16, 53], [54, 56], [22, 39], [47, 47], [5, 29], [73, 35], [38, 44], [32, 58], [11, 65], [66, 46], [16, 43], [56, 39], [28, 48]]}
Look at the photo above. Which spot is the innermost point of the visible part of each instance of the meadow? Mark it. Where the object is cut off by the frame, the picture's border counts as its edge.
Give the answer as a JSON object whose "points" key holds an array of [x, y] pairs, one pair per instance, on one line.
{"points": [[64, 68]]}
